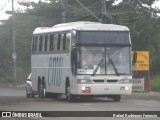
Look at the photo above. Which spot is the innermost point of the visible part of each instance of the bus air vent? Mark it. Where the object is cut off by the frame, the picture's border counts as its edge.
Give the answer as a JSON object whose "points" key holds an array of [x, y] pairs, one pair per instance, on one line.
{"points": [[98, 80], [112, 81]]}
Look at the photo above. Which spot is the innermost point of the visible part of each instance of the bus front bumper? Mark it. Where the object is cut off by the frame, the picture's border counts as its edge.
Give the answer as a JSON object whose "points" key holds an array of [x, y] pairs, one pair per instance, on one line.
{"points": [[104, 89]]}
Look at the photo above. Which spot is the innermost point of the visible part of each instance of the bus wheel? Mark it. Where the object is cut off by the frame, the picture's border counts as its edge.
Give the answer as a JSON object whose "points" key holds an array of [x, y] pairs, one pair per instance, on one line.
{"points": [[27, 95], [42, 90], [116, 98], [69, 97]]}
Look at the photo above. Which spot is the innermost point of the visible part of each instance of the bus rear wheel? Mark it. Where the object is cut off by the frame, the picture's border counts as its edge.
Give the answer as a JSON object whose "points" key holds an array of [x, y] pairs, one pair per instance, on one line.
{"points": [[28, 95], [42, 90]]}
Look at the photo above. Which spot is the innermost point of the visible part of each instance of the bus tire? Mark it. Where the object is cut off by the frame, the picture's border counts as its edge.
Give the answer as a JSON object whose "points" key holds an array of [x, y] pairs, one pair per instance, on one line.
{"points": [[69, 97], [27, 95], [116, 98], [43, 88], [43, 92], [40, 90]]}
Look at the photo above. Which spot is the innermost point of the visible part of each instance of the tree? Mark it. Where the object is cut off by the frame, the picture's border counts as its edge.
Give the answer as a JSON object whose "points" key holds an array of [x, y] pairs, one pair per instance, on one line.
{"points": [[138, 15]]}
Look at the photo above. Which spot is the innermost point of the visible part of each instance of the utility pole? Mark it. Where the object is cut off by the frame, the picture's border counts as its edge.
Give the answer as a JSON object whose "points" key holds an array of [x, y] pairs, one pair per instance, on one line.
{"points": [[105, 17], [14, 56], [63, 11]]}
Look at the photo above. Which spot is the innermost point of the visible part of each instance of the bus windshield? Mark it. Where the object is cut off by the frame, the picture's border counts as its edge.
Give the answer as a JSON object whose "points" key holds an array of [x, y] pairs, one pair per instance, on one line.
{"points": [[104, 60]]}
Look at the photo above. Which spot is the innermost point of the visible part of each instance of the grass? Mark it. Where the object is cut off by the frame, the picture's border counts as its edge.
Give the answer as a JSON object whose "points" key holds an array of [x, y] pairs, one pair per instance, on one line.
{"points": [[155, 83]]}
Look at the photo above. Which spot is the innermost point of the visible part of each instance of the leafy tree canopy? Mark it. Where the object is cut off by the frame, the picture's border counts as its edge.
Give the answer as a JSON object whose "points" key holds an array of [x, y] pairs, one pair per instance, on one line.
{"points": [[138, 15]]}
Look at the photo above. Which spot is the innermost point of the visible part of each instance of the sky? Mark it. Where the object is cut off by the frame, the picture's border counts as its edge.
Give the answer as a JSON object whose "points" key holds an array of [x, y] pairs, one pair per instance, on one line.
{"points": [[6, 5]]}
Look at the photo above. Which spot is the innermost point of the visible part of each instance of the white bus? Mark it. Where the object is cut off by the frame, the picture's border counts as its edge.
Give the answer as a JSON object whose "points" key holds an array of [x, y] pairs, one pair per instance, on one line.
{"points": [[82, 59]]}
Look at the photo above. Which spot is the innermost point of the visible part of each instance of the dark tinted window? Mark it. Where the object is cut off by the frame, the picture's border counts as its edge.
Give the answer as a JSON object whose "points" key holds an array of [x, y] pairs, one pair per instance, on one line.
{"points": [[68, 37], [59, 42], [109, 37], [51, 46], [64, 42], [35, 44], [46, 43], [40, 43]]}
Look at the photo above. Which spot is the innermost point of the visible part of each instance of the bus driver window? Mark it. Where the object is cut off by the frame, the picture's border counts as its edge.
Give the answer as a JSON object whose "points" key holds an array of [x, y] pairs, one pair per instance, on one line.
{"points": [[86, 62]]}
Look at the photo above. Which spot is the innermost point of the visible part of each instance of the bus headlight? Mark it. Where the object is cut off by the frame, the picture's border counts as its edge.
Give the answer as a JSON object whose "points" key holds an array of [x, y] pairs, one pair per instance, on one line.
{"points": [[123, 81], [124, 88], [81, 81]]}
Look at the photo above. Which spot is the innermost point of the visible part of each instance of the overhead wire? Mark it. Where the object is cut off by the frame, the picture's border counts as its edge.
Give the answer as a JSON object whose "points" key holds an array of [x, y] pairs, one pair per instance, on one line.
{"points": [[86, 15], [78, 11], [126, 19], [3, 6], [89, 11]]}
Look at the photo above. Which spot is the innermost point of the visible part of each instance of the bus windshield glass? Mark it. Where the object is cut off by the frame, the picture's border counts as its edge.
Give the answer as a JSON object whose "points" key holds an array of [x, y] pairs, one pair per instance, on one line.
{"points": [[110, 60]]}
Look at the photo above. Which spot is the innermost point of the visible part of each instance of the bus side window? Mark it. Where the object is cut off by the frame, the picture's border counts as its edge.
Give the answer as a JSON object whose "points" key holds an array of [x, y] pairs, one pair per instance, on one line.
{"points": [[34, 40], [68, 36], [40, 43], [46, 43], [55, 41], [64, 42], [51, 46], [35, 44], [59, 42]]}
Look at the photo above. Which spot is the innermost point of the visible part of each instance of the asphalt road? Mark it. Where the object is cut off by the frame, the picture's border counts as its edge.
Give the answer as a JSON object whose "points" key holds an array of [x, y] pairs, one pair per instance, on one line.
{"points": [[13, 99]]}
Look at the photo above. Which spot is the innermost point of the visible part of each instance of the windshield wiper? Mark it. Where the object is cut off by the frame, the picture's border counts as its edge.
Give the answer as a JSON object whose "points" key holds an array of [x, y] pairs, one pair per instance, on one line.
{"points": [[96, 69], [114, 67]]}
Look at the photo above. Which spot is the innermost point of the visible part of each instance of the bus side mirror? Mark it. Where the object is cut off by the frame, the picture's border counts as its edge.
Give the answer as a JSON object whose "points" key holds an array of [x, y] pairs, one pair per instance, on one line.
{"points": [[134, 58]]}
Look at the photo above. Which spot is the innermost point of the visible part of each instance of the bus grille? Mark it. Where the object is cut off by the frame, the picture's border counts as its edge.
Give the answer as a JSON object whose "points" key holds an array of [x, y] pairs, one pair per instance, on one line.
{"points": [[108, 81], [112, 81], [98, 80]]}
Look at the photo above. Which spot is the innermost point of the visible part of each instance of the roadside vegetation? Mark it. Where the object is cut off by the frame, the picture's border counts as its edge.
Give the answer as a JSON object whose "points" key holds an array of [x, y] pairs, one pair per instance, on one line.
{"points": [[155, 83], [142, 20]]}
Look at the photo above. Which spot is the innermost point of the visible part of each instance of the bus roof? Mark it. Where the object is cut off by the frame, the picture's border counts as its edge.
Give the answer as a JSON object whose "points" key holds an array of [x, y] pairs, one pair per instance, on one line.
{"points": [[82, 25]]}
